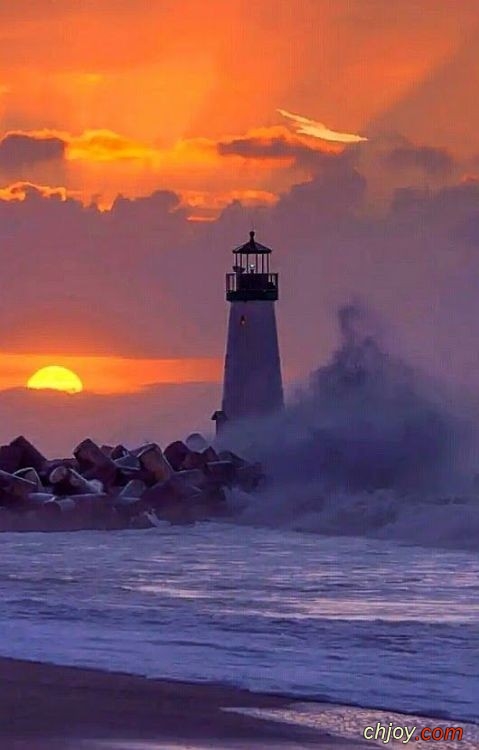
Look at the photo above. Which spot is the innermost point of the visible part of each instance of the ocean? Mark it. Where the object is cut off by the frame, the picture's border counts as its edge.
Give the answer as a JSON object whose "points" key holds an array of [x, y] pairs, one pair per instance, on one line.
{"points": [[374, 623]]}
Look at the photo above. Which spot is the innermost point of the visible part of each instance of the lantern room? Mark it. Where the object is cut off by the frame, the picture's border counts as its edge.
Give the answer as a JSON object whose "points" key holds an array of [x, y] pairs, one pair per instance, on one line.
{"points": [[251, 278]]}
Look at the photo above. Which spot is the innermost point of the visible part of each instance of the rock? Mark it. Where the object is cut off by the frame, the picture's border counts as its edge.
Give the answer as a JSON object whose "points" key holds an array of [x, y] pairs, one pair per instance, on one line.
{"points": [[90, 499], [93, 463], [214, 496], [15, 488], [182, 485], [161, 494], [151, 515], [196, 442], [89, 454], [129, 502], [10, 458], [30, 456], [209, 454], [96, 486], [70, 463], [118, 452], [152, 459], [249, 476], [190, 477], [68, 481], [171, 492], [6, 520], [129, 462], [175, 454], [193, 460], [129, 468], [59, 506], [142, 521], [88, 511], [178, 514], [29, 521], [38, 499], [230, 456], [111, 487], [135, 488], [221, 472], [128, 506], [113, 520], [31, 476], [193, 497]]}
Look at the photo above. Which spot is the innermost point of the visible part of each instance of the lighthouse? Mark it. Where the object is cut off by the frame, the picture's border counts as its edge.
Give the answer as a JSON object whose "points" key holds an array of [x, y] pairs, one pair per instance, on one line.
{"points": [[252, 383]]}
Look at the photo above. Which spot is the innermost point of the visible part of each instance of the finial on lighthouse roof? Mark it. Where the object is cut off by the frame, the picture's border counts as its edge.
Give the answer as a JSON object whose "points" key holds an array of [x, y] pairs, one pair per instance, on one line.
{"points": [[252, 246]]}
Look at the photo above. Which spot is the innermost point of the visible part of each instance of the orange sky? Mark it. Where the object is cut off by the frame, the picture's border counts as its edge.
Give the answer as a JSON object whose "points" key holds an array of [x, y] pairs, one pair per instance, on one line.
{"points": [[137, 96], [144, 91], [111, 374]]}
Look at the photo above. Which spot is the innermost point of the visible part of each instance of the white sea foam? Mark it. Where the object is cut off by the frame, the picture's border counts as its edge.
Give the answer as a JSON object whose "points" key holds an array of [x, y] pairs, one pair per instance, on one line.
{"points": [[448, 521]]}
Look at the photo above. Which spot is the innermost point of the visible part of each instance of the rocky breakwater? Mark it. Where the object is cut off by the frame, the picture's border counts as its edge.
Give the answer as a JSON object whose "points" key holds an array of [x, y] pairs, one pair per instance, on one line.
{"points": [[113, 487]]}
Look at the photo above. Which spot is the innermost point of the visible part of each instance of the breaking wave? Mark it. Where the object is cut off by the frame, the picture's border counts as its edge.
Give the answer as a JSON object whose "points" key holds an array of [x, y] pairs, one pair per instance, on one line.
{"points": [[367, 447]]}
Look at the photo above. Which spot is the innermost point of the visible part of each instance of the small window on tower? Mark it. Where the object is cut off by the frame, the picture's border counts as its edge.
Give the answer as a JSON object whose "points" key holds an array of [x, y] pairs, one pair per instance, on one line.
{"points": [[242, 320]]}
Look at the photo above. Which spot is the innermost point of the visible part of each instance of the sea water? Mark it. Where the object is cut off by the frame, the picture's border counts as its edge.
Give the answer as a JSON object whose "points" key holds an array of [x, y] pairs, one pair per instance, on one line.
{"points": [[369, 622]]}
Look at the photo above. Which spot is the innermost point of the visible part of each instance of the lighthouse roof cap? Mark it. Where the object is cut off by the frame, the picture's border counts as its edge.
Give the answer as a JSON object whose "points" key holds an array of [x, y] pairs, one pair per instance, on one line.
{"points": [[252, 246]]}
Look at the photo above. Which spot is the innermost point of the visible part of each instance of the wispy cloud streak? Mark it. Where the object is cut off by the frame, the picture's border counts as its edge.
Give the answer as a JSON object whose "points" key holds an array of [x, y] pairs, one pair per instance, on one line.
{"points": [[305, 126]]}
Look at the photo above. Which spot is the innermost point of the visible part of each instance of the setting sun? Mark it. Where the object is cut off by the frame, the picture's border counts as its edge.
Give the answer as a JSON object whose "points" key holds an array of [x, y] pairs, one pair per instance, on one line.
{"points": [[55, 378]]}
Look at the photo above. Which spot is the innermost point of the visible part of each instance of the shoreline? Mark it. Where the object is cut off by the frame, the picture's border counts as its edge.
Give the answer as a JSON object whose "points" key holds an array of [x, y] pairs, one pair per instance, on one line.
{"points": [[45, 705], [256, 699]]}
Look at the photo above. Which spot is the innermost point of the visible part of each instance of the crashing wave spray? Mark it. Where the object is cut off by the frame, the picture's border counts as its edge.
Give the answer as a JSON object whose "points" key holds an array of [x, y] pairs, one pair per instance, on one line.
{"points": [[365, 438]]}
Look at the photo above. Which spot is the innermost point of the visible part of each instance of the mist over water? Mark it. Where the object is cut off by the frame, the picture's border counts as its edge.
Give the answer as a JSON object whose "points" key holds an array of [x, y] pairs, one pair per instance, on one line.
{"points": [[368, 446]]}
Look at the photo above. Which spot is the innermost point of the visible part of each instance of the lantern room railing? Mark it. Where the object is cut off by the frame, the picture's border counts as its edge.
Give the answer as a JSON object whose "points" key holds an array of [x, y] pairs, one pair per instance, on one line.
{"points": [[251, 286]]}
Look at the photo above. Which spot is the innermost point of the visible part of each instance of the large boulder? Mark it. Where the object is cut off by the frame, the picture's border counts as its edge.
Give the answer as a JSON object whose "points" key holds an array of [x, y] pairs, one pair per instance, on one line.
{"points": [[196, 442], [30, 456], [10, 458], [14, 490], [221, 472], [31, 476], [151, 459], [67, 481], [94, 464], [176, 453]]}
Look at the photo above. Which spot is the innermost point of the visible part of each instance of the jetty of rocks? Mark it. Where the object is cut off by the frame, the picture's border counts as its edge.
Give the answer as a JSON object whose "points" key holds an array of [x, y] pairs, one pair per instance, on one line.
{"points": [[112, 487]]}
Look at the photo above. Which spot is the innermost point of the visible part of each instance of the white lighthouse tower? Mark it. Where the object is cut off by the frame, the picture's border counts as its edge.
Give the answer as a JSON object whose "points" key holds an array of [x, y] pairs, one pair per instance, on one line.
{"points": [[252, 376]]}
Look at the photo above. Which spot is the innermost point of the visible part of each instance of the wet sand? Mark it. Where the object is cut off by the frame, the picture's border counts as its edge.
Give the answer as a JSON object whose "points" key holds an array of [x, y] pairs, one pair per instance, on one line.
{"points": [[47, 707]]}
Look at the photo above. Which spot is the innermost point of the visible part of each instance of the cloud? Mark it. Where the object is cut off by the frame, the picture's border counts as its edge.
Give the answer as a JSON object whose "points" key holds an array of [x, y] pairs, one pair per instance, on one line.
{"points": [[432, 161], [116, 163], [94, 145], [306, 126], [19, 150], [275, 143], [105, 145], [207, 205], [19, 191]]}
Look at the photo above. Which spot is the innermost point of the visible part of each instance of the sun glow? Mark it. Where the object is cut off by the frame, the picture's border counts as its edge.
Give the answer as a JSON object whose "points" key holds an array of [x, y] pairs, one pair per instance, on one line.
{"points": [[55, 378]]}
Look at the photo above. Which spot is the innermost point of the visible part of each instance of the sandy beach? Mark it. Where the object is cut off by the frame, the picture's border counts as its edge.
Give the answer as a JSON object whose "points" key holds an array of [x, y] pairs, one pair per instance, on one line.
{"points": [[67, 708]]}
